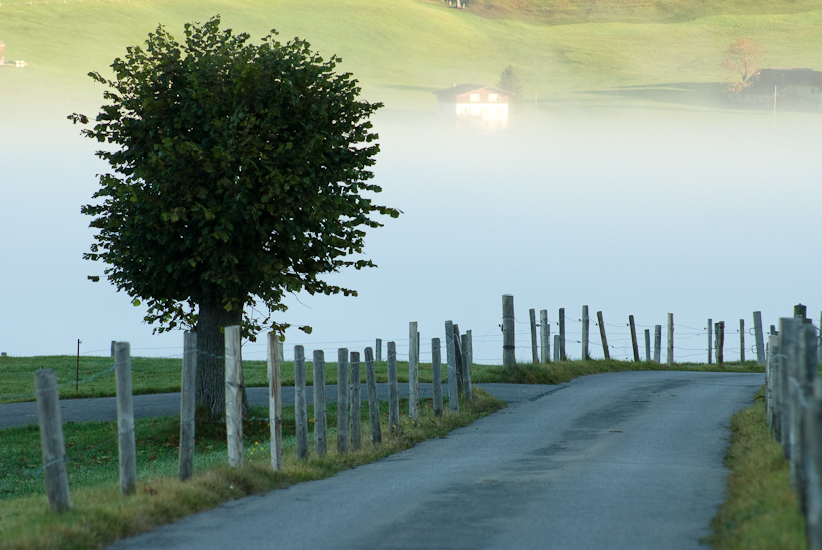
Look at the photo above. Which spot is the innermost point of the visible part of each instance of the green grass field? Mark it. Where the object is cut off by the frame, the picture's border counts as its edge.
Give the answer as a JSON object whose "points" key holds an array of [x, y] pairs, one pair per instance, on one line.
{"points": [[405, 49], [160, 375]]}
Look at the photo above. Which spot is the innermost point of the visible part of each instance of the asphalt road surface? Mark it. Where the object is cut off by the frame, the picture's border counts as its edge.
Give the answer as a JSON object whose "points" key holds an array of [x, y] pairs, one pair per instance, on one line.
{"points": [[627, 460]]}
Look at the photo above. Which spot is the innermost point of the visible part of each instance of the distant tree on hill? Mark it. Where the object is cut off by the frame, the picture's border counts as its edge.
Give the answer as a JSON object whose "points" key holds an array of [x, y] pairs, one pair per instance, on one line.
{"points": [[509, 80], [237, 173], [741, 62]]}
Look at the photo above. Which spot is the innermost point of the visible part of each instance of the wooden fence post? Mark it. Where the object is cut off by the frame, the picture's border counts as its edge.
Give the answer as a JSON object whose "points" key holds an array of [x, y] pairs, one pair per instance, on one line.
{"points": [[451, 366], [532, 314], [601, 323], [281, 350], [379, 350], [800, 311], [373, 400], [189, 380], [556, 347], [585, 327], [670, 338], [633, 338], [51, 439], [788, 341], [657, 343], [720, 342], [436, 374], [300, 403], [275, 404], [470, 348], [467, 388], [413, 372], [125, 418], [233, 397], [393, 390], [771, 378], [648, 345], [759, 338], [742, 341], [562, 355], [509, 360], [711, 330], [458, 359], [320, 417], [544, 337], [806, 374], [342, 395], [812, 424], [356, 385]]}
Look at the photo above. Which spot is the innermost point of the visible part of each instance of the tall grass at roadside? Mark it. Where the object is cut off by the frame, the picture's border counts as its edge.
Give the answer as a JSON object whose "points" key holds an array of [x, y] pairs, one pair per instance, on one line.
{"points": [[761, 512], [101, 515]]}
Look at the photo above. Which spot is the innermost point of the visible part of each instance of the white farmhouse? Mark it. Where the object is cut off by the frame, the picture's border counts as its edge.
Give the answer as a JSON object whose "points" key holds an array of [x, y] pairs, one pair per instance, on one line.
{"points": [[484, 107]]}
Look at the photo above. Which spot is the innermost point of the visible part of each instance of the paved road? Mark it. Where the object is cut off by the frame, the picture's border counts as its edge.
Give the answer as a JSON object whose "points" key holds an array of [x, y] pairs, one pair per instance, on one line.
{"points": [[627, 460], [163, 404]]}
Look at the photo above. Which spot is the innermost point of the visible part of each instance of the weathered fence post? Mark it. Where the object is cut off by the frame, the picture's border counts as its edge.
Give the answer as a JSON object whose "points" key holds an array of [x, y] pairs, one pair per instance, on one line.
{"points": [[788, 342], [720, 342], [759, 338], [532, 314], [51, 439], [556, 347], [657, 343], [373, 399], [189, 379], [509, 360], [467, 388], [413, 372], [813, 468], [585, 327], [379, 350], [233, 397], [436, 374], [320, 417], [562, 356], [281, 350], [633, 338], [300, 403], [775, 391], [648, 345], [742, 341], [670, 338], [342, 395], [451, 366], [275, 404], [458, 358], [125, 418], [470, 348], [393, 390], [800, 311], [601, 323], [356, 385], [806, 374], [544, 337], [711, 330]]}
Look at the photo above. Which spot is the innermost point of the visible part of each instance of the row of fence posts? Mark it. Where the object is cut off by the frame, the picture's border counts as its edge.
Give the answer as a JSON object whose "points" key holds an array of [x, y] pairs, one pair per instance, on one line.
{"points": [[544, 356], [793, 404], [459, 356]]}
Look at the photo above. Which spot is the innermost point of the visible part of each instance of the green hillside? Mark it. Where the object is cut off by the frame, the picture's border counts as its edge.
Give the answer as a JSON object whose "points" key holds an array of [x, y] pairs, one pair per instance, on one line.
{"points": [[403, 50]]}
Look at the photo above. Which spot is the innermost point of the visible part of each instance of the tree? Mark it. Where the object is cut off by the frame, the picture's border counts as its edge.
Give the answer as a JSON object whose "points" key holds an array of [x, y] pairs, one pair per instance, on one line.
{"points": [[237, 173], [509, 80], [741, 63]]}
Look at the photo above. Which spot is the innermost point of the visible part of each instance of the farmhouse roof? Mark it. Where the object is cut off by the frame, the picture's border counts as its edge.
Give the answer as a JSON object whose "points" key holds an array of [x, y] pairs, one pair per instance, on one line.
{"points": [[783, 77], [460, 89]]}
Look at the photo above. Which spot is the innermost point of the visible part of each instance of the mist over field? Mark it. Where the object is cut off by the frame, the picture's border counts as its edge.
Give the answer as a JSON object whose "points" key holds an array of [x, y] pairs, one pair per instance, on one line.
{"points": [[630, 201]]}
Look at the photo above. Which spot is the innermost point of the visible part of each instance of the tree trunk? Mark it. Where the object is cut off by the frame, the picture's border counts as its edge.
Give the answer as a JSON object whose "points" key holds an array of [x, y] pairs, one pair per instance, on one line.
{"points": [[211, 356]]}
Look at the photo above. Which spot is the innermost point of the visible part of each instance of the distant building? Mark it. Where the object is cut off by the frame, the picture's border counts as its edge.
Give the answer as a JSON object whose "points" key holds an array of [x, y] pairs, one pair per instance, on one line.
{"points": [[797, 89], [2, 59], [483, 107]]}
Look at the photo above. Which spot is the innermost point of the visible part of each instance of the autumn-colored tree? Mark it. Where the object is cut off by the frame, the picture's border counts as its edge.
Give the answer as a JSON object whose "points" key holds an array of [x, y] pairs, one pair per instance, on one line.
{"points": [[741, 63]]}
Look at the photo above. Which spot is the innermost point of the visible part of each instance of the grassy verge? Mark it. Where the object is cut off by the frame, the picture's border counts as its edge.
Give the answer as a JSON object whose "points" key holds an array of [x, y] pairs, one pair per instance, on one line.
{"points": [[101, 515], [151, 375], [761, 511]]}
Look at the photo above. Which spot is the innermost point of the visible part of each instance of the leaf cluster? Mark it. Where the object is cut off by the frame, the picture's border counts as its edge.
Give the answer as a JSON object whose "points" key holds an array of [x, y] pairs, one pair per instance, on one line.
{"points": [[238, 173]]}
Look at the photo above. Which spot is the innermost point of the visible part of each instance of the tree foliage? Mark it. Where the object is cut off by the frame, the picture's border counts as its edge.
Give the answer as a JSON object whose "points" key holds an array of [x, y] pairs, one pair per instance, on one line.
{"points": [[742, 61], [509, 80], [237, 174]]}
